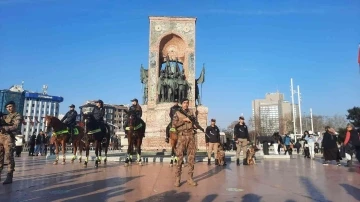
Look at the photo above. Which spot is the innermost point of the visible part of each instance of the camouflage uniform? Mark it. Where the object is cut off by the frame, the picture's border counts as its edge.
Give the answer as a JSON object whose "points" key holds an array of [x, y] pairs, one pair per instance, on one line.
{"points": [[186, 141], [10, 124]]}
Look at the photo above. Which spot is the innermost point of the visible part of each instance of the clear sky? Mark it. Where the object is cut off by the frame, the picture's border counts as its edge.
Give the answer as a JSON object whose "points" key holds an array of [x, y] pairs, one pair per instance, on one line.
{"points": [[91, 49]]}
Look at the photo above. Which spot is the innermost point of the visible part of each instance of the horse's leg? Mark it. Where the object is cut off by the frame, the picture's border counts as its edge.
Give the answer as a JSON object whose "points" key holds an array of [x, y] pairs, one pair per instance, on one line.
{"points": [[75, 145], [56, 152], [63, 144], [106, 150], [81, 145], [97, 153], [127, 159], [138, 148], [87, 150]]}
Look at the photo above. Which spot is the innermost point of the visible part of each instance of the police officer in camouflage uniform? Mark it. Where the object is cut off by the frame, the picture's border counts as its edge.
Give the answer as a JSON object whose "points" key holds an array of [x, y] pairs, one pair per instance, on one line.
{"points": [[9, 128], [173, 109], [186, 141]]}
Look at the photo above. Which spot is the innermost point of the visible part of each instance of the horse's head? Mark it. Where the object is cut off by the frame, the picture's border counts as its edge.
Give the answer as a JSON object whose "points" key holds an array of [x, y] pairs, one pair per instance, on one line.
{"points": [[132, 119], [53, 122], [88, 119]]}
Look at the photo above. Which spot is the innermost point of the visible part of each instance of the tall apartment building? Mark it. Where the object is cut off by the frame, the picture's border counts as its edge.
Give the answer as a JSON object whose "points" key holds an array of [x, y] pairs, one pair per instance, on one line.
{"points": [[36, 107], [272, 113], [120, 116]]}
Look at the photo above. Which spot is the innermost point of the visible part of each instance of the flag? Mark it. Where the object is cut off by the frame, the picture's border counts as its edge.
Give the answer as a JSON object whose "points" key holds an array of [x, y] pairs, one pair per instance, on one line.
{"points": [[359, 57]]}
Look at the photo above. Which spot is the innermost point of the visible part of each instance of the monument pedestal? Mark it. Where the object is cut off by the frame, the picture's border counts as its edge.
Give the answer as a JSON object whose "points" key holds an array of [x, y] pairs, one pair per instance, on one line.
{"points": [[157, 119]]}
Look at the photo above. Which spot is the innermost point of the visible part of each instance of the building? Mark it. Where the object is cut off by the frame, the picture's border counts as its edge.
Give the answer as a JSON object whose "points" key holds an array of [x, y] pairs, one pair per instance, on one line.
{"points": [[16, 93], [36, 107], [272, 114], [120, 117]]}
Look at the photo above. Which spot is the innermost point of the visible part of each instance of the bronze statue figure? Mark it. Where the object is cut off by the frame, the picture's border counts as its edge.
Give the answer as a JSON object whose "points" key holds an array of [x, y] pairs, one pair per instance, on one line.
{"points": [[144, 80]]}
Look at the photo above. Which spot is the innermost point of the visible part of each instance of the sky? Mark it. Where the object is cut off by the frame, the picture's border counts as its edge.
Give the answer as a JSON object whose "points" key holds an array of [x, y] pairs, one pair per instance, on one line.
{"points": [[93, 49]]}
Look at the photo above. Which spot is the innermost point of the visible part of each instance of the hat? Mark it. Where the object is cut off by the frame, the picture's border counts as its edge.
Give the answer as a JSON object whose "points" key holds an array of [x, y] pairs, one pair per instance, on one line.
{"points": [[242, 118], [10, 103], [72, 106], [99, 101], [176, 100], [134, 100], [184, 99], [213, 120]]}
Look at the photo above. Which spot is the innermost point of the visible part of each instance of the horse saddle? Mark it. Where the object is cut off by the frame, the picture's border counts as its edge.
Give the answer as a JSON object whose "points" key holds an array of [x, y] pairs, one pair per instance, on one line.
{"points": [[74, 131], [136, 127]]}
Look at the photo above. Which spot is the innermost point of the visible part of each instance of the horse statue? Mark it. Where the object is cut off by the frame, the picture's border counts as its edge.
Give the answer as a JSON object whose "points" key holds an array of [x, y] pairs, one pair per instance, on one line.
{"points": [[95, 133], [60, 135], [135, 133]]}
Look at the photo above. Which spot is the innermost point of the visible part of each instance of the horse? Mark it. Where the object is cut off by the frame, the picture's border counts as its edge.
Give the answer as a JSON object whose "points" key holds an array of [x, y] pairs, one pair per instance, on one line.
{"points": [[95, 133], [135, 133], [60, 135]]}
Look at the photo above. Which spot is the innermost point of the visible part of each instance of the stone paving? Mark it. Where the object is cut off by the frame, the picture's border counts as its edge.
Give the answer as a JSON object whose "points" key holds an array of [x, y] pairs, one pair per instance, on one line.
{"points": [[288, 180]]}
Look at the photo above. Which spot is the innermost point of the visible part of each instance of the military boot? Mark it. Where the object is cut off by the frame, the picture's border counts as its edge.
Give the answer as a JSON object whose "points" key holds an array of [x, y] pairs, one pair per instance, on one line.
{"points": [[177, 182], [190, 180], [237, 162], [8, 179], [209, 162], [216, 162]]}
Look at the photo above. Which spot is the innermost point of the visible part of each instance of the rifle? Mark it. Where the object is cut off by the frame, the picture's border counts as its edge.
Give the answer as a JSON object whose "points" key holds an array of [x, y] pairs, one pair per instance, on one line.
{"points": [[192, 119]]}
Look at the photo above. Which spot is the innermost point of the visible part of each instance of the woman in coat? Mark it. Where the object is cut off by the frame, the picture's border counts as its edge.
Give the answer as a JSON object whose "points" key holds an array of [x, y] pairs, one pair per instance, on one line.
{"points": [[331, 150]]}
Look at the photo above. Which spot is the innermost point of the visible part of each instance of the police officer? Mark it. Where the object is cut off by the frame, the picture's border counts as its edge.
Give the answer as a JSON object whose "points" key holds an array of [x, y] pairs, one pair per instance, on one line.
{"points": [[186, 141], [99, 112], [173, 109], [70, 120], [9, 129], [136, 107]]}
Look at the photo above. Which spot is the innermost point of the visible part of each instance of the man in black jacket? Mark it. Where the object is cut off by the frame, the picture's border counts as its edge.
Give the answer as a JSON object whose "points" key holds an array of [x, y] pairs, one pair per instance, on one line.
{"points": [[212, 139], [70, 120], [241, 138], [173, 109]]}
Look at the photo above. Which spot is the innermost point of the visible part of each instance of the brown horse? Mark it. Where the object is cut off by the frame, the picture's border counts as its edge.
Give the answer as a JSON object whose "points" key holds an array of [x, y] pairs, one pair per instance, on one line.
{"points": [[98, 134], [61, 134], [135, 134]]}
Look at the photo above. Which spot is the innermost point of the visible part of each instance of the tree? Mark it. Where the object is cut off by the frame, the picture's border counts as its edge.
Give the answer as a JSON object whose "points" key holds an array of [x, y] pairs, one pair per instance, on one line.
{"points": [[255, 124], [354, 116], [229, 131], [285, 124], [337, 122]]}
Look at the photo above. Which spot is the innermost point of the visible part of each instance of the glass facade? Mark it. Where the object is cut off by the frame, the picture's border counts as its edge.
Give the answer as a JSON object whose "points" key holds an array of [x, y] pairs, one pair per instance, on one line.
{"points": [[17, 97]]}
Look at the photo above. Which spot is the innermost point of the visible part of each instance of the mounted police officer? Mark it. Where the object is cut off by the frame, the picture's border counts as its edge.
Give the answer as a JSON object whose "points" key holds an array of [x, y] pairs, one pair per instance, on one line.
{"points": [[9, 128], [173, 109], [70, 120], [136, 108]]}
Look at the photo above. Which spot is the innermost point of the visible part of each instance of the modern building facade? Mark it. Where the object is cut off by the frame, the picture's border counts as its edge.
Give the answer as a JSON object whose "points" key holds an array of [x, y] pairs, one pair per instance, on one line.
{"points": [[272, 114], [36, 107]]}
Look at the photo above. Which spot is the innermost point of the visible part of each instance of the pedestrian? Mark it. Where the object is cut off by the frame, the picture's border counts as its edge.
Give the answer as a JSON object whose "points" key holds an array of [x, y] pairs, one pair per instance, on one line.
{"points": [[241, 138], [352, 144], [331, 150], [212, 139], [19, 143], [186, 141]]}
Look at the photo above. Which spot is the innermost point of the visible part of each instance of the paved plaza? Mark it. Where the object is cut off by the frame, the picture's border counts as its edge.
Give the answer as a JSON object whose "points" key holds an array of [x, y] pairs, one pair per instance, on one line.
{"points": [[298, 179]]}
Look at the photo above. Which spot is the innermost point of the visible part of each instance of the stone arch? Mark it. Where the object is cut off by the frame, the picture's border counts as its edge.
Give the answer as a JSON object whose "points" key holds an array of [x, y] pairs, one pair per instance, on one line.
{"points": [[174, 45]]}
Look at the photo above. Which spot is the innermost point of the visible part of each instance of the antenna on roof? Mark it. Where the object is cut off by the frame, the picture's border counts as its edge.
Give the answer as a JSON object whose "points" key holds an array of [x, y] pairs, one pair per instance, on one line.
{"points": [[44, 89]]}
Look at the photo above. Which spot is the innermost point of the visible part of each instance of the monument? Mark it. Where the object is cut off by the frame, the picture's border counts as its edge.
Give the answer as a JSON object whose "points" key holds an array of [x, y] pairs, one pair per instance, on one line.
{"points": [[170, 75]]}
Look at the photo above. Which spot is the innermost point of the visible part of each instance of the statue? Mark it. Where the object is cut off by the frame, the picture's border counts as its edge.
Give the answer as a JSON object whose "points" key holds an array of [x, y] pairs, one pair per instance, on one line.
{"points": [[172, 87], [144, 80], [183, 86], [200, 80], [162, 86]]}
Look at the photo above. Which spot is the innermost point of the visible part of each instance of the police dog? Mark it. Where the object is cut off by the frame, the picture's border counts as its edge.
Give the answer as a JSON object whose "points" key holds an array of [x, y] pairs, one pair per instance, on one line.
{"points": [[221, 155], [250, 155]]}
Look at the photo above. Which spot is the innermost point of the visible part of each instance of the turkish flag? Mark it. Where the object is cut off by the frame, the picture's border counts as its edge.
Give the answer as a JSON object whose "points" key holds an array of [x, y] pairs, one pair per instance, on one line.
{"points": [[359, 55]]}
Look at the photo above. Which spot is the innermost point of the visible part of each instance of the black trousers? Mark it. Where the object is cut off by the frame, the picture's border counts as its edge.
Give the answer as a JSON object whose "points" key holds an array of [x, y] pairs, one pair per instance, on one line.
{"points": [[18, 150]]}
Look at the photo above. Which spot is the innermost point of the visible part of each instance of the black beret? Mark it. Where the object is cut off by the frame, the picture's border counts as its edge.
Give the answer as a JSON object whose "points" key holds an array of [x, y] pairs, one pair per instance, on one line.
{"points": [[10, 103], [184, 99]]}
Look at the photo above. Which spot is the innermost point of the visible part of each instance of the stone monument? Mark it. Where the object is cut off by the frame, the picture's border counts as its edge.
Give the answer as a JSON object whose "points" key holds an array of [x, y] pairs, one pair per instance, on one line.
{"points": [[170, 76]]}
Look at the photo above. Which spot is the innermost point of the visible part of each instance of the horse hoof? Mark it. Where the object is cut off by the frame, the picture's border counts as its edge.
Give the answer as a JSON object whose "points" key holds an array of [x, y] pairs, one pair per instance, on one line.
{"points": [[62, 163], [126, 165], [72, 161], [79, 160], [171, 165], [55, 163]]}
